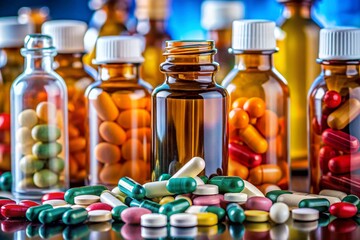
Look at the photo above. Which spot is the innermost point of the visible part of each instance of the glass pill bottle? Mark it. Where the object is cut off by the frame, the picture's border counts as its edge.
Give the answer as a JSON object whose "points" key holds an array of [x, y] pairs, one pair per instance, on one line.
{"points": [[152, 16], [216, 18], [12, 34], [39, 123], [119, 135], [298, 41], [189, 115], [334, 108], [68, 39], [259, 97]]}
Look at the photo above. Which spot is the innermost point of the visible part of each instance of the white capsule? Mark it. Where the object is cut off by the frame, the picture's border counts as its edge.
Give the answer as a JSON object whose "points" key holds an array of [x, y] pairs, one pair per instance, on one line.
{"points": [[332, 200], [183, 220], [251, 190], [305, 214], [199, 181], [153, 220], [109, 198], [191, 169], [292, 200], [279, 213], [156, 189], [99, 216], [333, 193]]}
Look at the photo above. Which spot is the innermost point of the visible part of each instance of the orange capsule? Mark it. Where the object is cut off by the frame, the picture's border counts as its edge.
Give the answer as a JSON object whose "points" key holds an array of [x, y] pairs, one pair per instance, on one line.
{"points": [[104, 106], [253, 139], [239, 102], [132, 149], [111, 173], [237, 169], [238, 118], [107, 153], [112, 133], [134, 118], [255, 107], [268, 124], [77, 144], [266, 173]]}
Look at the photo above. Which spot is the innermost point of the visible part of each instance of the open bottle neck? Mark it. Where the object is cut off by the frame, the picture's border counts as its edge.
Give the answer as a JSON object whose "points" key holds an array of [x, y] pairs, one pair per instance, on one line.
{"points": [[298, 9], [337, 67], [119, 72], [254, 61], [39, 63]]}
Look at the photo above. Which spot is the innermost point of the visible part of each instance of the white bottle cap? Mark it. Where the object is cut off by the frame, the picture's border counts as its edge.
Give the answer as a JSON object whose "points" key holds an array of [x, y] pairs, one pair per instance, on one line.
{"points": [[118, 49], [12, 32], [67, 35], [220, 14], [152, 9], [339, 43], [253, 35]]}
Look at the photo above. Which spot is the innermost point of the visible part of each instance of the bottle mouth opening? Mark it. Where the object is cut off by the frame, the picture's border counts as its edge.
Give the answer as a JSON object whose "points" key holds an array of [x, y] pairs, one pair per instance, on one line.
{"points": [[189, 47]]}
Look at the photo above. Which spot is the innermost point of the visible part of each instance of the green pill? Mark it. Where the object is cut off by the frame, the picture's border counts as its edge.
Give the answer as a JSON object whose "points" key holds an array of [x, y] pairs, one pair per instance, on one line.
{"points": [[133, 202], [152, 206], [46, 150], [45, 133], [131, 188], [75, 216], [30, 164], [164, 176], [116, 212], [320, 204], [228, 184], [45, 178], [49, 231], [6, 181], [204, 178], [56, 164], [52, 215], [352, 199], [273, 195], [235, 213], [87, 190], [216, 210], [76, 232], [181, 185], [32, 213], [177, 206]]}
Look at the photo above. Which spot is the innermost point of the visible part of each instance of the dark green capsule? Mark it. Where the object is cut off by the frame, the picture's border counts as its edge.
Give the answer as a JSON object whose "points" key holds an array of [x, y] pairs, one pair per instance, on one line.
{"points": [[116, 212], [132, 202], [76, 232], [181, 185], [75, 216], [131, 188], [235, 213], [50, 230], [320, 204], [352, 199], [216, 210], [164, 176], [273, 195], [32, 214], [87, 190], [228, 184], [32, 230], [204, 178], [52, 215], [152, 206], [6, 181], [177, 206]]}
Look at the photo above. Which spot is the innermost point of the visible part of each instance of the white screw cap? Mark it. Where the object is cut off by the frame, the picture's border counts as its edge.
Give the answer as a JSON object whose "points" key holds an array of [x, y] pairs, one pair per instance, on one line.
{"points": [[339, 43], [118, 49], [67, 35], [253, 35], [12, 32], [220, 14]]}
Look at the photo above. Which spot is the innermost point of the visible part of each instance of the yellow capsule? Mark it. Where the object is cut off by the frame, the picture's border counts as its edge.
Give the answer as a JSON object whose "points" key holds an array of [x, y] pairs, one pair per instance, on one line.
{"points": [[253, 139], [256, 216], [167, 199], [184, 197], [342, 116], [206, 219]]}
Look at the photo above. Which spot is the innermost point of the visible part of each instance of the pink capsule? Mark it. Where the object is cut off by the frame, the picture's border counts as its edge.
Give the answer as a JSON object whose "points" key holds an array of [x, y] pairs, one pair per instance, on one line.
{"points": [[53, 196], [340, 141], [325, 154], [258, 203], [98, 206], [132, 215], [13, 211], [244, 155], [343, 210], [344, 163], [28, 203]]}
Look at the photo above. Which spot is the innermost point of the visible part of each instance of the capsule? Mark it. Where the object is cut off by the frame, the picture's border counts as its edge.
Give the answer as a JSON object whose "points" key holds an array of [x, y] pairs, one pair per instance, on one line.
{"points": [[325, 154], [166, 199], [345, 114], [235, 213], [156, 189], [152, 206], [320, 204], [352, 199], [52, 215], [191, 169], [266, 173], [28, 203], [109, 198], [32, 213], [228, 184], [220, 213], [87, 190], [75, 216], [204, 178], [131, 188], [181, 185], [343, 210], [164, 176], [242, 154], [53, 196], [340, 141], [344, 163], [116, 212], [253, 139], [6, 201], [332, 193], [14, 211], [177, 206]]}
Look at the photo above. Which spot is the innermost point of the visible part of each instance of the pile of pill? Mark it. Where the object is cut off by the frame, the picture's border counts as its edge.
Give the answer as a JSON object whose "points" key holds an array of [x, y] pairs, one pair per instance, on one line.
{"points": [[183, 200]]}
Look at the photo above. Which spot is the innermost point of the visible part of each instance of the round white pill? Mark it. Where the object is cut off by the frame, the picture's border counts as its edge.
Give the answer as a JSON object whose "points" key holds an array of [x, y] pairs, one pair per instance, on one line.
{"points": [[206, 189], [153, 233], [305, 214], [55, 202], [279, 213], [153, 220], [235, 197], [99, 216], [86, 199], [183, 220]]}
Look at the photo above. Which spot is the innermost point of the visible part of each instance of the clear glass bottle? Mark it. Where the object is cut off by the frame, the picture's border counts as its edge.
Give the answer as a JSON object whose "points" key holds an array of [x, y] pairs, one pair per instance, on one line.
{"points": [[189, 111], [119, 135], [259, 97], [334, 108], [68, 39], [12, 34], [216, 19], [152, 16], [298, 41], [39, 123]]}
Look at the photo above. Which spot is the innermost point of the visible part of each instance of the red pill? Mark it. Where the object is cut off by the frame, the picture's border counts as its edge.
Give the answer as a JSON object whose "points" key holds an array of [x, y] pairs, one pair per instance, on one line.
{"points": [[98, 206], [325, 154], [332, 99], [343, 210], [13, 211], [342, 226], [244, 155], [340, 141], [344, 163], [4, 121], [28, 203], [6, 201], [53, 196]]}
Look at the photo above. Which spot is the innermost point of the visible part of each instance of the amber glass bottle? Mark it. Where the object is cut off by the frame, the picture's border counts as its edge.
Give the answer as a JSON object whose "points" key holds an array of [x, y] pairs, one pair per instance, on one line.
{"points": [[68, 39], [152, 16], [298, 40], [189, 111], [119, 133], [334, 108], [258, 120], [216, 19]]}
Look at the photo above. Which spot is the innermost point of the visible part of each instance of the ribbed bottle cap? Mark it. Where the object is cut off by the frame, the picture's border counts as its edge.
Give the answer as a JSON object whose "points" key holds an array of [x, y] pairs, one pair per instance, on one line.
{"points": [[118, 49], [67, 35], [220, 14], [152, 9], [253, 35], [339, 43], [12, 32]]}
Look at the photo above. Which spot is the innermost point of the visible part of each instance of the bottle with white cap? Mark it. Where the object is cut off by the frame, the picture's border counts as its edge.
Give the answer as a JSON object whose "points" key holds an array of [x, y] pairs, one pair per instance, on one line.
{"points": [[118, 105], [216, 18], [333, 113], [68, 39], [258, 118], [12, 34], [152, 16]]}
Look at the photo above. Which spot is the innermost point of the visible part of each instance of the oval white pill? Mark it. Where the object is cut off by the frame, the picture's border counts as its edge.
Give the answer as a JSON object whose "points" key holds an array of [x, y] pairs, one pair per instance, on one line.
{"points": [[55, 202], [305, 214], [235, 197], [279, 213], [206, 189], [153, 233], [153, 220], [191, 169], [108, 198], [251, 190], [99, 216], [86, 199], [183, 220]]}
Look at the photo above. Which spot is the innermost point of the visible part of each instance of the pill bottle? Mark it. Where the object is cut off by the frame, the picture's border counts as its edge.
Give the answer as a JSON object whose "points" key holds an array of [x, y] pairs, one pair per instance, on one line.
{"points": [[334, 108], [12, 34], [119, 134], [258, 119], [189, 111], [216, 18], [34, 15], [39, 123], [152, 18], [298, 41], [68, 39]]}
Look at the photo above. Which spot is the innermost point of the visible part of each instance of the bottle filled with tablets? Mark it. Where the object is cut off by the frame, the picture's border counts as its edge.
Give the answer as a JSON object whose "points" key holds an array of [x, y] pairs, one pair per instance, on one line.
{"points": [[259, 97], [119, 134], [334, 108], [189, 111], [39, 123]]}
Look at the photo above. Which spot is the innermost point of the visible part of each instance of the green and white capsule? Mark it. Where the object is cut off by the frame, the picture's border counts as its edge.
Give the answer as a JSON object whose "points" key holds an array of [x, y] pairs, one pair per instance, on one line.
{"points": [[131, 188], [228, 184], [181, 185]]}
